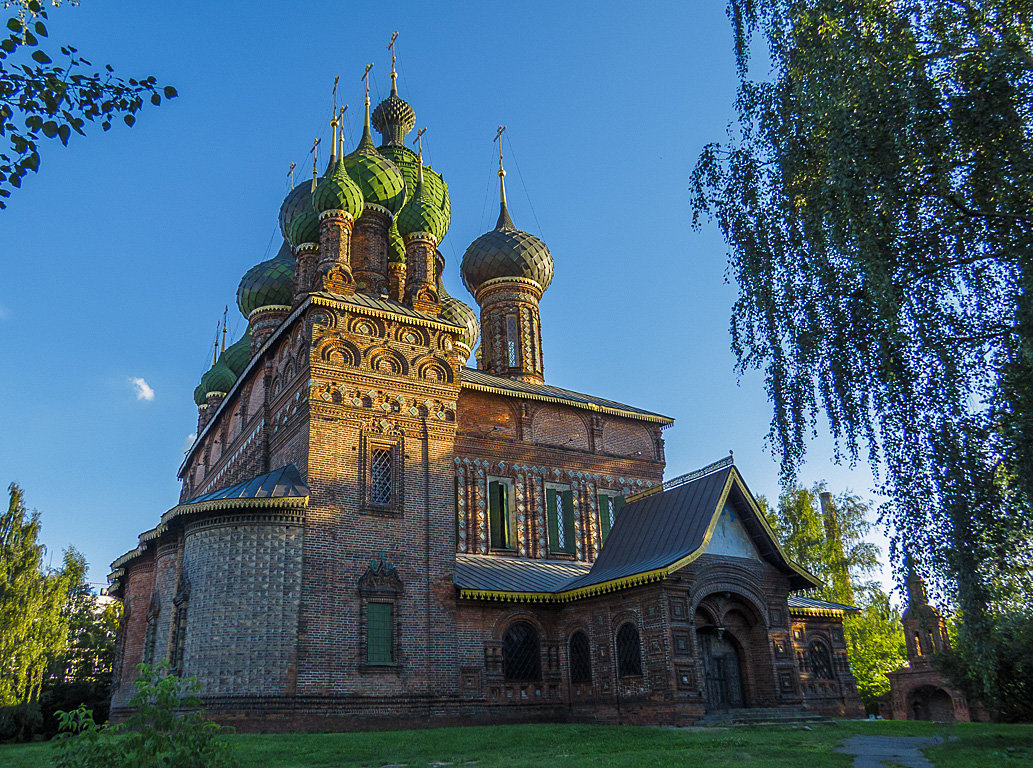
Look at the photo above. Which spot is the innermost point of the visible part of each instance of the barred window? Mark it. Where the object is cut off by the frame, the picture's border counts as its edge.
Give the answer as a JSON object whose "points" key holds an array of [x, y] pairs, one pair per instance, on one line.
{"points": [[521, 659], [379, 633], [580, 658], [381, 470], [559, 510], [821, 660], [629, 654], [512, 341]]}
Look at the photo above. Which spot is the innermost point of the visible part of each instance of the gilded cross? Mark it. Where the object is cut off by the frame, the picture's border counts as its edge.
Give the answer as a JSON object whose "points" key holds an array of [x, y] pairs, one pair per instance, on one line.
{"points": [[365, 79], [419, 141], [498, 138], [391, 47], [290, 174]]}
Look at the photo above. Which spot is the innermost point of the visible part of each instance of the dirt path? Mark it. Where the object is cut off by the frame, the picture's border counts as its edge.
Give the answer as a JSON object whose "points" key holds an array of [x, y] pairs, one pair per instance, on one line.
{"points": [[870, 751]]}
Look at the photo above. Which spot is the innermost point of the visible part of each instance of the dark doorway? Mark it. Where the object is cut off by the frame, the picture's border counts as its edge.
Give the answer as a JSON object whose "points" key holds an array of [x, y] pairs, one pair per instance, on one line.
{"points": [[721, 670], [929, 703]]}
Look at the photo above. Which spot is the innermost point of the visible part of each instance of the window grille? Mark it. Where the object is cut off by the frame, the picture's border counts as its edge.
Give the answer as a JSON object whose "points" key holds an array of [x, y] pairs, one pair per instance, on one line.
{"points": [[512, 341], [821, 661], [521, 659], [580, 658], [380, 475], [629, 655], [379, 644]]}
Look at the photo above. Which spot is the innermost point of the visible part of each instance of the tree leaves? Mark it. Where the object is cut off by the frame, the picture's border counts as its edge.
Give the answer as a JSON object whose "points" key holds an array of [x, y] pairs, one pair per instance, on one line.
{"points": [[43, 99]]}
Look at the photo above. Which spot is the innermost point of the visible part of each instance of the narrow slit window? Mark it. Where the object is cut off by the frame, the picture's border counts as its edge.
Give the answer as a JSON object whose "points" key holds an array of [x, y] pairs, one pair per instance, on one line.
{"points": [[380, 476], [512, 341]]}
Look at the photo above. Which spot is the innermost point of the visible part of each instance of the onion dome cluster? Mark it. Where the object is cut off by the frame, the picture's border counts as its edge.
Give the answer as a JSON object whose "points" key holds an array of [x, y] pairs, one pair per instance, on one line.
{"points": [[219, 378], [422, 214], [506, 252], [270, 283], [337, 191], [435, 188]]}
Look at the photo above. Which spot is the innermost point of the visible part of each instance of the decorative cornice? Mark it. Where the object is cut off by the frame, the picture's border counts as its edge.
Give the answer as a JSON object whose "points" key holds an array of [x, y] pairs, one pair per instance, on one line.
{"points": [[337, 213], [424, 236], [832, 613], [269, 308], [359, 309], [380, 209], [307, 247], [507, 282]]}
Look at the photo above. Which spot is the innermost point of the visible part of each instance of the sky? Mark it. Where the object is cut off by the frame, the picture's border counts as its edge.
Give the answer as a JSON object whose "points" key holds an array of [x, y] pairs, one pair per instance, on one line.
{"points": [[119, 256]]}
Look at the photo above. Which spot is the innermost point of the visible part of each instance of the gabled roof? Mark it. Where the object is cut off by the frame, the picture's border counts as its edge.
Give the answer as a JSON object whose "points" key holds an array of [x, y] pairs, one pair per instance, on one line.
{"points": [[472, 378], [653, 537], [810, 606]]}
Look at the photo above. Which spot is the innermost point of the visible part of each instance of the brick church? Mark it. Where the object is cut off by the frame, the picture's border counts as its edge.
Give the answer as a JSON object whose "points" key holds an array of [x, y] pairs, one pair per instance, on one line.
{"points": [[377, 530]]}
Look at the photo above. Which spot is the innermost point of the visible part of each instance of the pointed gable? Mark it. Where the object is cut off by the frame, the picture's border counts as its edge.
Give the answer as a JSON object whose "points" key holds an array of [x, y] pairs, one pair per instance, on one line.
{"points": [[730, 538]]}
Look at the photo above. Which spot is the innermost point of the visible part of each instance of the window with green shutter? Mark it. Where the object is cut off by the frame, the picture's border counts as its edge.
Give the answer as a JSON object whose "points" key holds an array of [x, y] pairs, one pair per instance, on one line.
{"points": [[609, 507], [379, 633], [559, 503], [498, 515]]}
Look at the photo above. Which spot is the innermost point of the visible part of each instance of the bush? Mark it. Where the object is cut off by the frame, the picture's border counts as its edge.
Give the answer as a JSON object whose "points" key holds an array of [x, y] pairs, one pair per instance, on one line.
{"points": [[19, 722], [167, 728]]}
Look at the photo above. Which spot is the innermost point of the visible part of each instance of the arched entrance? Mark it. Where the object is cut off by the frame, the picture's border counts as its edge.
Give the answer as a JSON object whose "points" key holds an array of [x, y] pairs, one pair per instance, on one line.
{"points": [[722, 670], [931, 703]]}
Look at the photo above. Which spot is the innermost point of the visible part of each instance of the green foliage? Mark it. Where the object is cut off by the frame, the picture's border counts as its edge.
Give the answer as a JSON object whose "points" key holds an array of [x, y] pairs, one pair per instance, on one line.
{"points": [[41, 97], [829, 541], [33, 621], [877, 205], [167, 728]]}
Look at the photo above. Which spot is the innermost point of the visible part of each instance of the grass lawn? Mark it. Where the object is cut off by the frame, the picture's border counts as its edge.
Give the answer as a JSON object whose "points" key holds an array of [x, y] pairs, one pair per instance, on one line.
{"points": [[535, 746]]}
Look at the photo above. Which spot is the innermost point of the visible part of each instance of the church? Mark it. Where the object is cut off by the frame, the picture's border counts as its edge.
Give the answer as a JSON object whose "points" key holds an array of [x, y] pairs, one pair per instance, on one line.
{"points": [[379, 528]]}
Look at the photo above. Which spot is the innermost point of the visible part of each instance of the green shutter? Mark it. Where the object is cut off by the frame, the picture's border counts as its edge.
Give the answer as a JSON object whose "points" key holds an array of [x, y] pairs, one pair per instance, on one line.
{"points": [[618, 505], [494, 518], [378, 634], [554, 530], [506, 534], [604, 515], [568, 521]]}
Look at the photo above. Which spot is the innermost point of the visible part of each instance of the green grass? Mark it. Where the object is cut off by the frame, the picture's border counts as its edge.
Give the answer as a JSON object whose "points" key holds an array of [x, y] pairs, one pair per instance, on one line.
{"points": [[585, 746]]}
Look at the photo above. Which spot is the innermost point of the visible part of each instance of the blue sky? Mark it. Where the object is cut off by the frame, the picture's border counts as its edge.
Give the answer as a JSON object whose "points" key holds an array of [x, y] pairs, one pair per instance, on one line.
{"points": [[119, 256]]}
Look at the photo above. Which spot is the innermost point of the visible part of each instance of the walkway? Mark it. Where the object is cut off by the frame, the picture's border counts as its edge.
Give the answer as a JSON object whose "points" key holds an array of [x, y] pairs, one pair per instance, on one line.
{"points": [[870, 751]]}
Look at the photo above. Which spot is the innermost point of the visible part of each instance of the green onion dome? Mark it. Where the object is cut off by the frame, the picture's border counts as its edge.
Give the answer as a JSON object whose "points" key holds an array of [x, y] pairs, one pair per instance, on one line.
{"points": [[299, 222], [421, 214], [268, 284], [395, 245], [456, 312], [199, 395], [433, 182], [219, 378], [337, 191], [379, 180], [394, 118], [506, 252], [238, 355]]}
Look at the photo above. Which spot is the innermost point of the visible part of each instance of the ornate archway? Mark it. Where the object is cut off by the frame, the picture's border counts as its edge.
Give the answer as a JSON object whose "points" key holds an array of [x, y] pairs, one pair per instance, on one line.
{"points": [[930, 703], [722, 669], [729, 632]]}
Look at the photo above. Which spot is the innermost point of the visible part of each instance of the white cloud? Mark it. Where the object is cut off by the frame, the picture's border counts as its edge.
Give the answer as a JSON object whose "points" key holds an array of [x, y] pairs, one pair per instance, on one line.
{"points": [[142, 388], [188, 442]]}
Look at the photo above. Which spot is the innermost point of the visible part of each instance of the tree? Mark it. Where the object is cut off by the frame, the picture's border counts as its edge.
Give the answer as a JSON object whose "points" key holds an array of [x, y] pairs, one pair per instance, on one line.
{"points": [[33, 625], [876, 200], [43, 98], [826, 534]]}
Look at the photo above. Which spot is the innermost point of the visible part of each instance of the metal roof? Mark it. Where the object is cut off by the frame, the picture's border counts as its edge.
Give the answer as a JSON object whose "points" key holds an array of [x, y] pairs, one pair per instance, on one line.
{"points": [[384, 305], [511, 574], [472, 378], [280, 483], [810, 603]]}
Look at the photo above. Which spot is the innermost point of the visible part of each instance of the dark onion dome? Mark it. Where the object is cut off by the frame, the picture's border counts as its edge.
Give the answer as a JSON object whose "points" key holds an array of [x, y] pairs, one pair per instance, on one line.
{"points": [[299, 222], [395, 245], [219, 379], [269, 284], [238, 355], [455, 311], [421, 214], [378, 178], [506, 252], [394, 118], [199, 395], [433, 181], [337, 191]]}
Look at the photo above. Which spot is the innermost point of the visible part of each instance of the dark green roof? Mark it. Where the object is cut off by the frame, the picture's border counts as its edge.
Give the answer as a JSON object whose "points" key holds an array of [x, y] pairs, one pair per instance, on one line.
{"points": [[456, 311], [379, 179], [434, 183], [219, 378], [337, 191], [298, 220], [394, 118], [421, 214], [281, 483], [506, 252], [269, 283], [238, 355], [395, 245]]}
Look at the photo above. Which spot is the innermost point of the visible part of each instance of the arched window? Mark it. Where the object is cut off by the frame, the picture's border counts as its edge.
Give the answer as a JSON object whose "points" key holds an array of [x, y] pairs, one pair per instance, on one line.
{"points": [[629, 654], [821, 660], [580, 658], [521, 659]]}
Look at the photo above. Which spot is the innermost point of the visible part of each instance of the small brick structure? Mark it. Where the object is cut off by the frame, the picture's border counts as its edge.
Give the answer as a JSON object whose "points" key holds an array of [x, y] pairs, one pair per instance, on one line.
{"points": [[919, 691], [372, 535]]}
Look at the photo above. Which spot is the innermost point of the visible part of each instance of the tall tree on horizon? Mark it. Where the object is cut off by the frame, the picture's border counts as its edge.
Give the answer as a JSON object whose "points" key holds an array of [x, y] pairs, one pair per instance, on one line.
{"points": [[876, 200]]}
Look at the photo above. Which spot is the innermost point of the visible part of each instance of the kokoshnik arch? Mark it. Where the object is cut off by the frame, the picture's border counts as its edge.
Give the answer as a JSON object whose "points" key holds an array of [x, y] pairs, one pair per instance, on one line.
{"points": [[372, 532]]}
